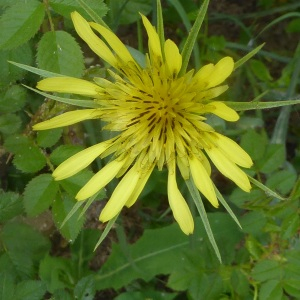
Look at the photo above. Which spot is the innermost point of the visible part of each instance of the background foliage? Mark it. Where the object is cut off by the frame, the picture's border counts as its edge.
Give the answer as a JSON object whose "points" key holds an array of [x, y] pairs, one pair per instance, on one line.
{"points": [[144, 257]]}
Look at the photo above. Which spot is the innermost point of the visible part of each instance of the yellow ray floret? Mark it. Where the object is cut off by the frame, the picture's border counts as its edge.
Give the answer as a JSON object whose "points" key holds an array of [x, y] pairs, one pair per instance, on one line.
{"points": [[68, 118], [69, 85]]}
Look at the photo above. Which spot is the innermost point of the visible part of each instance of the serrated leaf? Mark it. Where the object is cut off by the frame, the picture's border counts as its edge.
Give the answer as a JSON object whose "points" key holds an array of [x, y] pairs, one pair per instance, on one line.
{"points": [[157, 250], [282, 181], [30, 160], [56, 272], [273, 158], [20, 22], [9, 123], [85, 288], [7, 286], [60, 210], [129, 10], [24, 246], [271, 290], [15, 143], [39, 194], [10, 206], [48, 138], [10, 73], [65, 7], [30, 290], [267, 270], [73, 184], [63, 152], [59, 52], [254, 144], [13, 99]]}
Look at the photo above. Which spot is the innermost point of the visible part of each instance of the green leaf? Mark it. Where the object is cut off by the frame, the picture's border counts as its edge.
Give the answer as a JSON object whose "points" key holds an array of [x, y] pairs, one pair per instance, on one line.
{"points": [[282, 181], [10, 73], [291, 286], [48, 138], [127, 12], [10, 206], [24, 246], [73, 184], [273, 158], [85, 288], [65, 7], [240, 282], [271, 290], [146, 294], [57, 51], [30, 160], [157, 250], [290, 226], [60, 210], [13, 99], [253, 222], [28, 157], [63, 152], [7, 286], [254, 144], [30, 290], [267, 270], [93, 13], [39, 194], [243, 199], [56, 272], [9, 123], [20, 22], [260, 70]]}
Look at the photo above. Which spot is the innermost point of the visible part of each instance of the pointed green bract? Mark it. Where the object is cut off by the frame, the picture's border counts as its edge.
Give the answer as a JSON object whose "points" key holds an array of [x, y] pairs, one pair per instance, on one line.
{"points": [[241, 61], [42, 73], [160, 23], [106, 231], [200, 207], [192, 37], [242, 106], [76, 102]]}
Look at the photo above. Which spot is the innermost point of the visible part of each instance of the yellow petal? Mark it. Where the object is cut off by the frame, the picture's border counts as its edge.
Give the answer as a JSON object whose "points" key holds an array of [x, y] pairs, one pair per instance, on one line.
{"points": [[202, 180], [228, 168], [204, 73], [68, 118], [173, 57], [139, 187], [84, 30], [180, 209], [221, 110], [120, 195], [212, 93], [233, 151], [154, 42], [79, 161], [100, 179], [114, 42], [221, 71], [69, 85]]}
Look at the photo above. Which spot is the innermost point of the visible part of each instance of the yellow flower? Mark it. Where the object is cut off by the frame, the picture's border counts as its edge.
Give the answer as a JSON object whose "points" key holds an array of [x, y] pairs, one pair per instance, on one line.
{"points": [[159, 120]]}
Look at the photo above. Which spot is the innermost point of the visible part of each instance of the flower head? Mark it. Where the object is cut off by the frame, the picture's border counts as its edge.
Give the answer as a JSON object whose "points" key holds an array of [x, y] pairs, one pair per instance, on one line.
{"points": [[159, 120]]}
